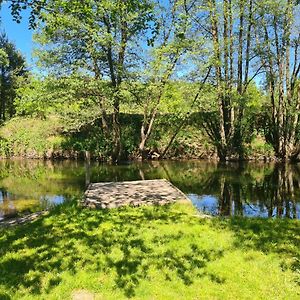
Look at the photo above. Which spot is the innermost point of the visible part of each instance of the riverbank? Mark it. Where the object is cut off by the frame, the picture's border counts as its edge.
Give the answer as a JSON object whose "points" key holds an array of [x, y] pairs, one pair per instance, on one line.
{"points": [[149, 252], [53, 138]]}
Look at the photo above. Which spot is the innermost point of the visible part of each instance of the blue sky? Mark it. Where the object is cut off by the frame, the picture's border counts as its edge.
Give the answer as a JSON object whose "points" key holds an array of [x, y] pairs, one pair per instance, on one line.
{"points": [[19, 34]]}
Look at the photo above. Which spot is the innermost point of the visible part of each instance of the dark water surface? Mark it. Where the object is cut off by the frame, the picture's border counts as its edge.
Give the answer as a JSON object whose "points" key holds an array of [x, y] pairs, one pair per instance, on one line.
{"points": [[251, 190]]}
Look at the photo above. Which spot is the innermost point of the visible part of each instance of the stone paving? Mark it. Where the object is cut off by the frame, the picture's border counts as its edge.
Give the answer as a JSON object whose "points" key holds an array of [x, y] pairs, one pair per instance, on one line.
{"points": [[134, 193]]}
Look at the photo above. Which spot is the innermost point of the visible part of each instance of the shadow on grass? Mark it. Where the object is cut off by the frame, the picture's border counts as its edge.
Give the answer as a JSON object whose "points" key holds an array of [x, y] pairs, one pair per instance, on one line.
{"points": [[279, 236], [116, 241]]}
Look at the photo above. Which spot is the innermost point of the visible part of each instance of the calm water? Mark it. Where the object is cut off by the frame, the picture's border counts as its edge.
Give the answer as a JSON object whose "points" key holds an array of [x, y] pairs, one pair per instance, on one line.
{"points": [[251, 190]]}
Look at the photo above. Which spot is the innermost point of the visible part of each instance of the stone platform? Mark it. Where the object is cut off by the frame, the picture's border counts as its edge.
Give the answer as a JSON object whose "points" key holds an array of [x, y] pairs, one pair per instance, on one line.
{"points": [[135, 193]]}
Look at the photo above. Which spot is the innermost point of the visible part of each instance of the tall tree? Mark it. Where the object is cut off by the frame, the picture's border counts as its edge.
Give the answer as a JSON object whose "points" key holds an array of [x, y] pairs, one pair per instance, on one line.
{"points": [[172, 42], [228, 24], [278, 39], [99, 38]]}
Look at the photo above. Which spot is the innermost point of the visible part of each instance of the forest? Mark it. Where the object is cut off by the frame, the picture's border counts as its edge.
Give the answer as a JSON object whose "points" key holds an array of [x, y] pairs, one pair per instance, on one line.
{"points": [[144, 79]]}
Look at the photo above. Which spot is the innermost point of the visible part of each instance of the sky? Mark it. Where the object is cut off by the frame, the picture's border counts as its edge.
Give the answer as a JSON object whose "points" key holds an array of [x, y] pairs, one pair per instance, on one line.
{"points": [[19, 34]]}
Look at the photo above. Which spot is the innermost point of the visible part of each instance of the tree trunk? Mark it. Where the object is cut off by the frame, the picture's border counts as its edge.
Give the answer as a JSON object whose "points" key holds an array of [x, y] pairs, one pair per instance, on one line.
{"points": [[222, 145], [240, 47], [146, 128], [116, 76]]}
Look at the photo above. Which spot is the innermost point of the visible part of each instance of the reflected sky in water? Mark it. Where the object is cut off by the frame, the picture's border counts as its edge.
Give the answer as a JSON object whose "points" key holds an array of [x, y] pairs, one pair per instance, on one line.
{"points": [[209, 204], [250, 190]]}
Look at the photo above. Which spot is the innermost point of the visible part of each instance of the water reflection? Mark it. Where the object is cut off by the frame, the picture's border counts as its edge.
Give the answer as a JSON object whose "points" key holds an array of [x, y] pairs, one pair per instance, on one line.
{"points": [[265, 190], [27, 186], [251, 190]]}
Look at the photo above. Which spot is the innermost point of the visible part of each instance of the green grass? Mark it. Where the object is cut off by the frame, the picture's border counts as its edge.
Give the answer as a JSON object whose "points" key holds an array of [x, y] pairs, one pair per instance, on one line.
{"points": [[149, 253], [30, 137]]}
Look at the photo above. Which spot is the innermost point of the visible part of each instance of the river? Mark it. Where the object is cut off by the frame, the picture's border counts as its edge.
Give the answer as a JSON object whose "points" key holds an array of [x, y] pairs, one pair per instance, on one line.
{"points": [[233, 189]]}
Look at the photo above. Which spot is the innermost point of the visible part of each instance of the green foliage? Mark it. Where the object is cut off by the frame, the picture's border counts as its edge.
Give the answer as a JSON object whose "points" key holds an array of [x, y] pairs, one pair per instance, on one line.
{"points": [[73, 98], [53, 135], [260, 148], [89, 138], [31, 137], [74, 101], [11, 72], [106, 58], [96, 25], [3, 58], [33, 98], [5, 148]]}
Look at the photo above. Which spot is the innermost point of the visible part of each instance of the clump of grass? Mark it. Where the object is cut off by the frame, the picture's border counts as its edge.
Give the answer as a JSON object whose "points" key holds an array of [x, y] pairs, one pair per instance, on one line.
{"points": [[260, 148], [149, 253], [30, 137]]}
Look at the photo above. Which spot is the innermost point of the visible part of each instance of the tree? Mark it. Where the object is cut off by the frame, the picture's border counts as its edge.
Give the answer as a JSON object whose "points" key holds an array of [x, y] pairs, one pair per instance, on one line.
{"points": [[228, 25], [99, 39], [174, 45], [12, 68], [278, 39]]}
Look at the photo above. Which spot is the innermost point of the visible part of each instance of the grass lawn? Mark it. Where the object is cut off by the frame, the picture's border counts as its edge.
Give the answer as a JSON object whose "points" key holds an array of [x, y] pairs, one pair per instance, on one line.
{"points": [[149, 253]]}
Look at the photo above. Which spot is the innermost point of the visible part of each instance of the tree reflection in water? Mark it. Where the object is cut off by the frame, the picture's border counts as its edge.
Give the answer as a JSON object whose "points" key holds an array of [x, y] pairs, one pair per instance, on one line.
{"points": [[247, 190], [232, 189]]}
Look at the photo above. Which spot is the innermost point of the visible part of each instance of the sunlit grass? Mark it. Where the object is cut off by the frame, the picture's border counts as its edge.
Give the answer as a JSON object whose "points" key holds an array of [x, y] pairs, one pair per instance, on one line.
{"points": [[149, 253]]}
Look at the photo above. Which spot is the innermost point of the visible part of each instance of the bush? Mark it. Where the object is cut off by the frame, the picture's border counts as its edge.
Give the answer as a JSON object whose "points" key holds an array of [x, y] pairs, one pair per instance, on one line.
{"points": [[30, 137], [259, 147]]}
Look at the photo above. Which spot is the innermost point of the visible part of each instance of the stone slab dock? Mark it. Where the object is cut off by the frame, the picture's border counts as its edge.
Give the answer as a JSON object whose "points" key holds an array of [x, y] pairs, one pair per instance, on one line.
{"points": [[135, 193]]}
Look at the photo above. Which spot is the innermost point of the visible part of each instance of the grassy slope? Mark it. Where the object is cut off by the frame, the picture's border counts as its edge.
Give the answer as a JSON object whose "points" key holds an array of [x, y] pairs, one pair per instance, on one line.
{"points": [[149, 253], [29, 137], [39, 138]]}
